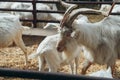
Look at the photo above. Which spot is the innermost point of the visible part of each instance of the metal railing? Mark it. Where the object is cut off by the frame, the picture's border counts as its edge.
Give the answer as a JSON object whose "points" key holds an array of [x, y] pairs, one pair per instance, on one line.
{"points": [[14, 73], [35, 11]]}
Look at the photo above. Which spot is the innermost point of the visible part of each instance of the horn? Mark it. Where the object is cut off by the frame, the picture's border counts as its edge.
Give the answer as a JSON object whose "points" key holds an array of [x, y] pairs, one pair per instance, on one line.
{"points": [[76, 12], [66, 14], [113, 4]]}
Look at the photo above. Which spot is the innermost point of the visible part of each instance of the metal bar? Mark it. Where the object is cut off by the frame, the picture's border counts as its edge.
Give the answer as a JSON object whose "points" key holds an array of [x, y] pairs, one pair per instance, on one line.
{"points": [[22, 10], [7, 72], [30, 1], [55, 21], [17, 10], [34, 14], [91, 2], [46, 21], [34, 11], [26, 20], [48, 11], [27, 1], [55, 2], [73, 2], [43, 11], [50, 21]]}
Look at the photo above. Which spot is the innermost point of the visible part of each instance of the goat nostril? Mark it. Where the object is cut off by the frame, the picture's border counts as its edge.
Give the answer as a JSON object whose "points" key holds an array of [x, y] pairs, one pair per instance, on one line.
{"points": [[59, 49]]}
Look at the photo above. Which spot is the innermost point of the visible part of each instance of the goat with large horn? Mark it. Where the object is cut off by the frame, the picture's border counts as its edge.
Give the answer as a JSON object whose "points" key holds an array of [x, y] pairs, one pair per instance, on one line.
{"points": [[101, 38]]}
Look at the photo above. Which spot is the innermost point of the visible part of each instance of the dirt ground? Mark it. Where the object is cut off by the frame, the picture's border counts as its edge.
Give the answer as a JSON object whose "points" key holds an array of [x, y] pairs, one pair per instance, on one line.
{"points": [[13, 57]]}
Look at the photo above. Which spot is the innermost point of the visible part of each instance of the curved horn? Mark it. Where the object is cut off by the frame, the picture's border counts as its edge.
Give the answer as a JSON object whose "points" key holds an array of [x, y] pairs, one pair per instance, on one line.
{"points": [[66, 14], [112, 8], [76, 12]]}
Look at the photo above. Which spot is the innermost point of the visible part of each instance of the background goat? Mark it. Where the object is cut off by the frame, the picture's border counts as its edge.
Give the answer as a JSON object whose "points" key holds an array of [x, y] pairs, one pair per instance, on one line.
{"points": [[39, 6], [102, 73], [11, 31]]}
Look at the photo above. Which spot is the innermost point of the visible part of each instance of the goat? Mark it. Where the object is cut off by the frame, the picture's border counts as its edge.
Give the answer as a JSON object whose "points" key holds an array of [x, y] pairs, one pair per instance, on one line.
{"points": [[11, 31], [29, 15], [39, 6], [51, 25], [116, 8], [47, 53], [101, 38], [107, 7], [102, 73], [19, 5], [81, 18], [52, 6], [5, 5]]}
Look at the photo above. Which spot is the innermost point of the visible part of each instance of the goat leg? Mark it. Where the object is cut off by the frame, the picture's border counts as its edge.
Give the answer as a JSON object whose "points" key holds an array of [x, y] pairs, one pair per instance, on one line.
{"points": [[112, 69], [76, 64], [19, 42], [72, 67], [41, 63], [86, 65]]}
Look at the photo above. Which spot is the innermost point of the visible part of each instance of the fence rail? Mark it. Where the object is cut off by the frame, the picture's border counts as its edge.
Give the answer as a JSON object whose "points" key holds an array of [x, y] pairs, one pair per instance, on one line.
{"points": [[14, 73], [35, 11]]}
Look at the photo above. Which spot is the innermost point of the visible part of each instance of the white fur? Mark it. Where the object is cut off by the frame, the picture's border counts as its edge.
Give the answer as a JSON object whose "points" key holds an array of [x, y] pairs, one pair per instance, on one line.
{"points": [[40, 16], [101, 39], [46, 52], [107, 7], [6, 5], [102, 73], [11, 31]]}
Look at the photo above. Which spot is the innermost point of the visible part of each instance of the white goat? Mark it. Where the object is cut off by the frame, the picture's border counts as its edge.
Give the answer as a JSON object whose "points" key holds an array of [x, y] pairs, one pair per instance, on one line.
{"points": [[116, 8], [81, 18], [11, 31], [102, 73], [20, 5], [52, 6], [39, 6], [29, 15], [5, 5], [101, 39], [47, 53], [107, 7], [51, 25]]}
